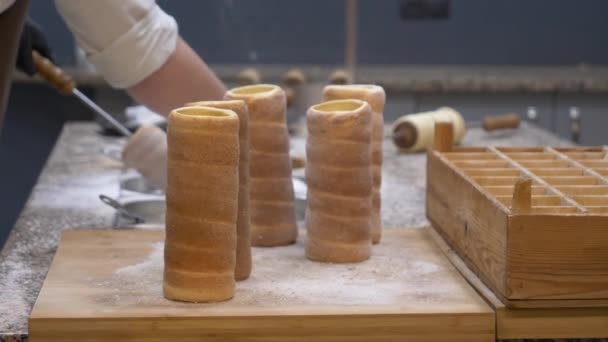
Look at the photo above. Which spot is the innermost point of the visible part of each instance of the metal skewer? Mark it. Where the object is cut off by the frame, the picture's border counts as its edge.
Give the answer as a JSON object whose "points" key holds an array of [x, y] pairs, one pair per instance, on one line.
{"points": [[66, 85]]}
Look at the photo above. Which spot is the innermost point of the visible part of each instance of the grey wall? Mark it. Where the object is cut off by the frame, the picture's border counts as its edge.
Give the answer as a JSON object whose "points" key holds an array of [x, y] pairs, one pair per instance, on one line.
{"points": [[312, 31], [488, 32]]}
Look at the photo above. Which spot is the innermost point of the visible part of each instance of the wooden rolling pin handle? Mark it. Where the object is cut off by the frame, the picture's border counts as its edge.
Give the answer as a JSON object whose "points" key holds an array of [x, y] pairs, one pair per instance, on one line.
{"points": [[52, 74], [490, 123]]}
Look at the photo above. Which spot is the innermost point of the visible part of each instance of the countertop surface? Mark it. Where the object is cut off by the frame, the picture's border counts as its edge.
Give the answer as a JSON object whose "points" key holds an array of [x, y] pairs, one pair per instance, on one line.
{"points": [[66, 196], [422, 78]]}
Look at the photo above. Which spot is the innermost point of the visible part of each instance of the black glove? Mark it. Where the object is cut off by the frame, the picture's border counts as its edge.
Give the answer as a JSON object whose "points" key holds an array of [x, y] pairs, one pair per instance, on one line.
{"points": [[32, 39]]}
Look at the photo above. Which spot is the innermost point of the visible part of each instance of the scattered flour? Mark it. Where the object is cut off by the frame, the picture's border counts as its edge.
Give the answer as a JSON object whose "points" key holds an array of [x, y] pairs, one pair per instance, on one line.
{"points": [[283, 275]]}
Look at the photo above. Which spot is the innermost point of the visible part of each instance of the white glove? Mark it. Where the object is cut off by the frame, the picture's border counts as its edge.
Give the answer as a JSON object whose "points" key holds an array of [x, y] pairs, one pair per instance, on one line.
{"points": [[146, 152]]}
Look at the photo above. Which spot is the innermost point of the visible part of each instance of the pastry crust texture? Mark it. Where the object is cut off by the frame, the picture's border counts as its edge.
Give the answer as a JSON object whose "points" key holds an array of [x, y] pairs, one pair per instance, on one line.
{"points": [[374, 95], [243, 236], [340, 182], [271, 201], [202, 204]]}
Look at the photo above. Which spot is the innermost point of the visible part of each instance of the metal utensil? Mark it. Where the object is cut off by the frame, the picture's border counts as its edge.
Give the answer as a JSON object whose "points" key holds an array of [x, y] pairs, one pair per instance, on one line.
{"points": [[121, 209], [66, 85]]}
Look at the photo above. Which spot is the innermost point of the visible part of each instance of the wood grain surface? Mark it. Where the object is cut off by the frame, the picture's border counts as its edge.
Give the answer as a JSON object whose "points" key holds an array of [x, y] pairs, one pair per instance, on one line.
{"points": [[544, 247], [467, 219], [548, 323], [104, 285]]}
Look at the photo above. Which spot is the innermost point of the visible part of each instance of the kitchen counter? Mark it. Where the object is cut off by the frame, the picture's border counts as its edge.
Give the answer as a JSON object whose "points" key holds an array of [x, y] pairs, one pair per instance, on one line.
{"points": [[581, 78], [76, 173]]}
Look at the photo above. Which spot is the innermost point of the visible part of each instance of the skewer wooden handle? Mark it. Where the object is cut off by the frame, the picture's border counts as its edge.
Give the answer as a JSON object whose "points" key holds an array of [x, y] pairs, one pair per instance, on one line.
{"points": [[491, 123], [53, 74]]}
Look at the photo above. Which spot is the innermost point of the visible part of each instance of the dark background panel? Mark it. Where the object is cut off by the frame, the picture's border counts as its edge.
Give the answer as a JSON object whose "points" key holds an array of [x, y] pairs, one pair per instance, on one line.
{"points": [[57, 33], [262, 31], [487, 32], [312, 32]]}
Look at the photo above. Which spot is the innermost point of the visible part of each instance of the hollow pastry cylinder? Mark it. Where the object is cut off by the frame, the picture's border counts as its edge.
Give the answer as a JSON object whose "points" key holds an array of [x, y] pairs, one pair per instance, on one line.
{"points": [[339, 178], [374, 95], [202, 192], [146, 152], [271, 197], [243, 238]]}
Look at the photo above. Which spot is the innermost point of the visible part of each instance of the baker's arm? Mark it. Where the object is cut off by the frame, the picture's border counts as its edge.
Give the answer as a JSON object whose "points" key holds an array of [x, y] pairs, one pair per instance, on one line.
{"points": [[179, 80], [135, 45]]}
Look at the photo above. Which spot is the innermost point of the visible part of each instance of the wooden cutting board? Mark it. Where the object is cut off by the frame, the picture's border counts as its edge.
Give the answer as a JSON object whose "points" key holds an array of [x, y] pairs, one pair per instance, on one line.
{"points": [[106, 285]]}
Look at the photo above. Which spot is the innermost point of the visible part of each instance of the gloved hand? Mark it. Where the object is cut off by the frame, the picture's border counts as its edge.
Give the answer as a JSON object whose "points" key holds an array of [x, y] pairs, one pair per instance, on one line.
{"points": [[146, 152], [32, 39]]}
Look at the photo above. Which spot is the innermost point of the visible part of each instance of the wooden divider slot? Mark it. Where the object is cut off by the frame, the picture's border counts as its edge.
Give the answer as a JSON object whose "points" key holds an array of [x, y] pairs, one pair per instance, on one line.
{"points": [[585, 155], [573, 190], [489, 164], [603, 172], [593, 196], [508, 149], [579, 149], [469, 156], [468, 149], [572, 180], [537, 200], [588, 170], [491, 172], [530, 156], [592, 200], [544, 163], [551, 190], [554, 210], [507, 190], [495, 180], [565, 171], [600, 164], [597, 210]]}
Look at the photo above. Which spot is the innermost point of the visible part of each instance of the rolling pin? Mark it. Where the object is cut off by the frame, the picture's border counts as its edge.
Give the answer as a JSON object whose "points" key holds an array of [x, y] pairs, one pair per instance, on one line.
{"points": [[493, 122], [414, 132], [66, 85]]}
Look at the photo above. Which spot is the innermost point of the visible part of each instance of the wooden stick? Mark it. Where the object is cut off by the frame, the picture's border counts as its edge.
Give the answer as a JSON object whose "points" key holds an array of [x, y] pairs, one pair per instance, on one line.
{"points": [[350, 50], [443, 136], [522, 196]]}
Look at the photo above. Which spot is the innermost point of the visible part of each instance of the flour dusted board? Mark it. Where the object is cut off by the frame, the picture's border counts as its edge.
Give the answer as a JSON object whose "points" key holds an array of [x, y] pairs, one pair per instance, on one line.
{"points": [[553, 255], [106, 285]]}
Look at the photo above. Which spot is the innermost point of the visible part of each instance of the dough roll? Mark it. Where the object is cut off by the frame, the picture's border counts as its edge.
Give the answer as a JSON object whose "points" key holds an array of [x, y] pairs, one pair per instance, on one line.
{"points": [[202, 193], [339, 178], [271, 201], [243, 238], [375, 96]]}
